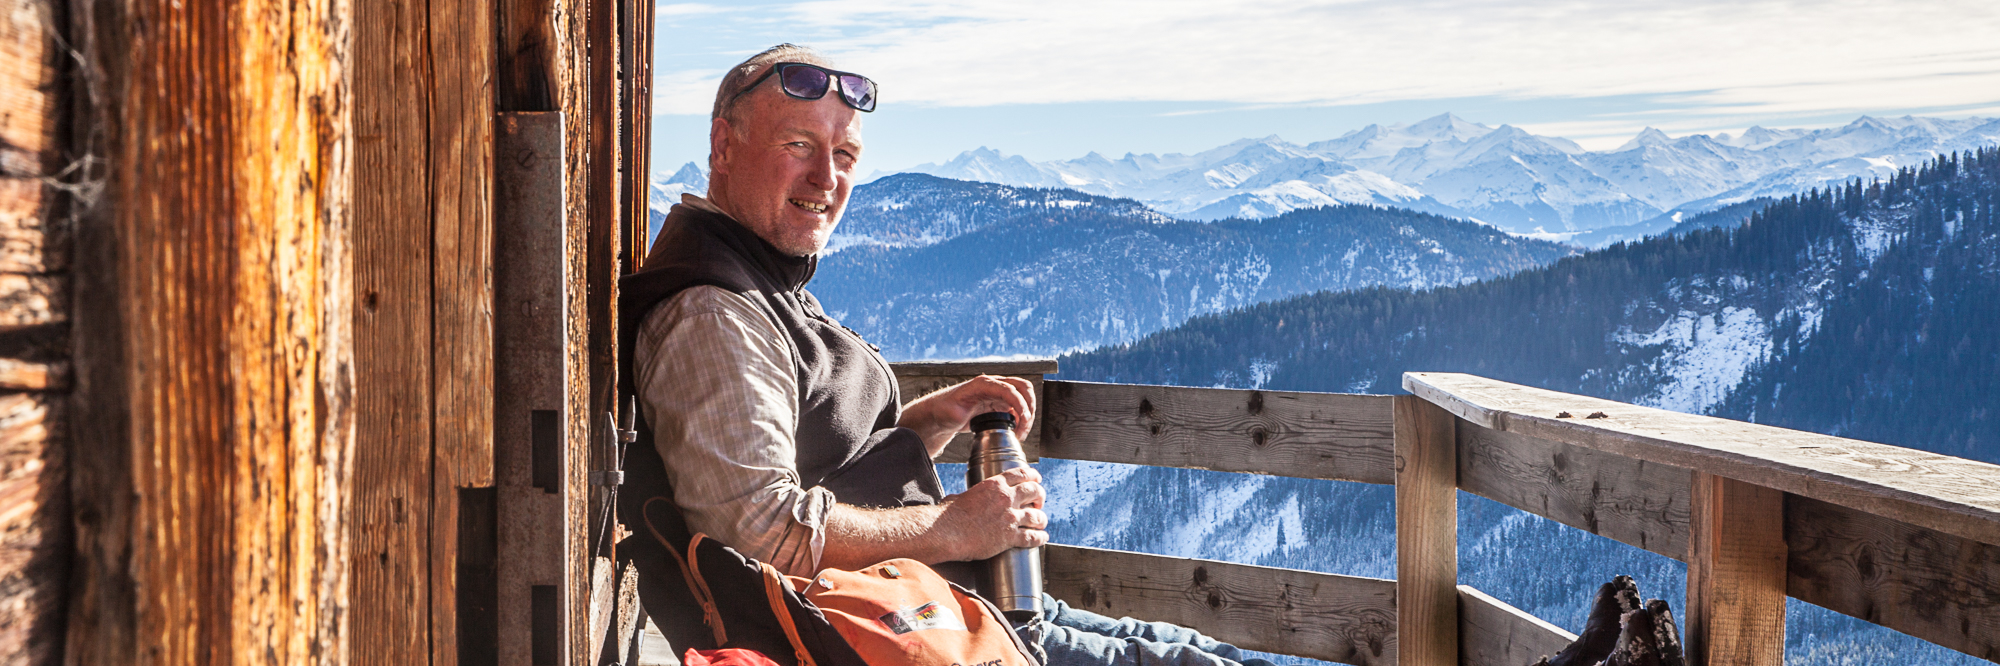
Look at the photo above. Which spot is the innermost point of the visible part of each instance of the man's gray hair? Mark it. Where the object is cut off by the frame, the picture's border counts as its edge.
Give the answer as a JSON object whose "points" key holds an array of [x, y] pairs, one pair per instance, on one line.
{"points": [[727, 94]]}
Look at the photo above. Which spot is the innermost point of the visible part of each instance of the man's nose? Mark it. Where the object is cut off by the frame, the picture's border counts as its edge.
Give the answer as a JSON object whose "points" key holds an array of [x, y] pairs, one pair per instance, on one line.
{"points": [[821, 173]]}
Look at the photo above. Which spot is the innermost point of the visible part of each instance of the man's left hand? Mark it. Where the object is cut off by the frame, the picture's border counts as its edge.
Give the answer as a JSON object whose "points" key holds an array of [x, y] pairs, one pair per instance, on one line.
{"points": [[948, 411]]}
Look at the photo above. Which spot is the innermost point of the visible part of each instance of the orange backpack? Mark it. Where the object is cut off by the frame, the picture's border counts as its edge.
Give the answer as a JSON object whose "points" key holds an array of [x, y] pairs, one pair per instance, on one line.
{"points": [[895, 613]]}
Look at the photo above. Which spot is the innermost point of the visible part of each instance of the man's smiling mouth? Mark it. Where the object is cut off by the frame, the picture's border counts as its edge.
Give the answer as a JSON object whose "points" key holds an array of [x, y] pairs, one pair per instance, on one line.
{"points": [[814, 207]]}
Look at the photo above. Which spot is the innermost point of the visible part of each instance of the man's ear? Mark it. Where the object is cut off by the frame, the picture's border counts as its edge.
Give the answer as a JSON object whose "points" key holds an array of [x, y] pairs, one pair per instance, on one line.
{"points": [[718, 145]]}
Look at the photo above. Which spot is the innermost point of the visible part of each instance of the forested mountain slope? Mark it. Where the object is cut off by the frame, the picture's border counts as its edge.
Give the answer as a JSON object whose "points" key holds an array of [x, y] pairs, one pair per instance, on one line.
{"points": [[1867, 311], [1084, 271], [1864, 309]]}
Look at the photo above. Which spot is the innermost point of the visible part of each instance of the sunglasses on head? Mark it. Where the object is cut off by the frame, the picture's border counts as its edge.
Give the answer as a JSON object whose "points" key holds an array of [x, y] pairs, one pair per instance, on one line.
{"points": [[810, 82]]}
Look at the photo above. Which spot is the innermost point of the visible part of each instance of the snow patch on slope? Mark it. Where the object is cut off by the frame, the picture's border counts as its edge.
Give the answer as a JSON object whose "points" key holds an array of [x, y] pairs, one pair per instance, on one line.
{"points": [[1705, 356]]}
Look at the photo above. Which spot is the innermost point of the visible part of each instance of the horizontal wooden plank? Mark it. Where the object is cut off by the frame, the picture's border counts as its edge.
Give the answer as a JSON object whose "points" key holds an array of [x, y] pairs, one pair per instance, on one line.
{"points": [[1938, 587], [1033, 366], [1308, 435], [1347, 619], [32, 300], [1492, 633], [1639, 503], [1951, 495], [18, 375]]}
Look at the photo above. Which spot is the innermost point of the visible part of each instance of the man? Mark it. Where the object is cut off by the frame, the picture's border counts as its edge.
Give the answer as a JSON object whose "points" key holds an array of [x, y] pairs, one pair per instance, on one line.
{"points": [[778, 431]]}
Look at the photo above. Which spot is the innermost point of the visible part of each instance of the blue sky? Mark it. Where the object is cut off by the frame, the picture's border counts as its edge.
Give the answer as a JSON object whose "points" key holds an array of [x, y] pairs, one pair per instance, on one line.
{"points": [[1054, 79]]}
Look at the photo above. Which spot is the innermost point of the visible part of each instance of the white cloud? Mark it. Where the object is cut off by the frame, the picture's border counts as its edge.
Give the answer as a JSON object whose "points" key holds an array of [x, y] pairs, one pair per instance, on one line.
{"points": [[1719, 58], [666, 10]]}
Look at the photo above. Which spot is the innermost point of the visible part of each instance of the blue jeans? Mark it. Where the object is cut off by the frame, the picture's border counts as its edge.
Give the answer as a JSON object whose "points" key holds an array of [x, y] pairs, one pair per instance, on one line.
{"points": [[1070, 637]]}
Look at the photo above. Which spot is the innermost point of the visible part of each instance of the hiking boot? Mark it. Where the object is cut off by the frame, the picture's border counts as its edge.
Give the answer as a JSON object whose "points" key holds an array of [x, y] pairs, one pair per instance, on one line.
{"points": [[1600, 632]]}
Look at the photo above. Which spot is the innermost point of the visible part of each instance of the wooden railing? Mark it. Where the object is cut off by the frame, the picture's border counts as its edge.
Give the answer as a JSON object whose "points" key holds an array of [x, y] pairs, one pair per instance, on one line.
{"points": [[1905, 539]]}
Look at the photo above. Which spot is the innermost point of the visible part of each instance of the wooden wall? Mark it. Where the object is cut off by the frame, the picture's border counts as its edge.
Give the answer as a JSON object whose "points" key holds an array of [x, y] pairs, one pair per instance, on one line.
{"points": [[423, 316], [244, 434], [34, 367], [212, 419]]}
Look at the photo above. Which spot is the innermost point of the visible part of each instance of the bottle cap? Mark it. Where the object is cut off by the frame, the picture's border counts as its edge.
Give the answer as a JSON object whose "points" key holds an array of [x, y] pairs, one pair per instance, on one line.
{"points": [[992, 421]]}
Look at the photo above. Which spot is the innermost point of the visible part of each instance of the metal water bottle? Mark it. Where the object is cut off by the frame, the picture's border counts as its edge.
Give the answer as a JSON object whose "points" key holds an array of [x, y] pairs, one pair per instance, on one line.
{"points": [[1012, 580]]}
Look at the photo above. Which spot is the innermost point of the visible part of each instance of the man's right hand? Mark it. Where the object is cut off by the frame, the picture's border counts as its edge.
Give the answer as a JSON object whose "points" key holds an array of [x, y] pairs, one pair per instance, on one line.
{"points": [[1001, 512]]}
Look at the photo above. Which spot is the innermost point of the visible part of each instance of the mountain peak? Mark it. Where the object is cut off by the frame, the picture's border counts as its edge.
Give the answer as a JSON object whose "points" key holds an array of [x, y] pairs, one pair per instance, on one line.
{"points": [[1646, 137], [689, 174]]}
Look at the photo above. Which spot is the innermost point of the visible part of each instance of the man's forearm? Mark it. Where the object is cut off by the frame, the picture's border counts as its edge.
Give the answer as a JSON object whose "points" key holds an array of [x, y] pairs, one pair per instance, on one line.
{"points": [[857, 537]]}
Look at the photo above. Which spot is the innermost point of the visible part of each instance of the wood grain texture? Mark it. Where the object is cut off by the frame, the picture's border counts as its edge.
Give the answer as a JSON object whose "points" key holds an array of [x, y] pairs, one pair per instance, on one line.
{"points": [[1426, 534], [31, 240], [34, 528], [1639, 503], [1947, 494], [1938, 587], [1492, 633], [589, 274], [228, 190], [35, 516], [32, 300], [1736, 574], [1346, 619], [526, 37], [960, 447], [460, 55], [1281, 433], [393, 335], [1038, 366], [636, 127], [535, 344]]}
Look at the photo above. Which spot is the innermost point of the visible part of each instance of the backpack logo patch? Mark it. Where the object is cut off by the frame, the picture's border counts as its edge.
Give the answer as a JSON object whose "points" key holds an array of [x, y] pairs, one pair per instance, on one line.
{"points": [[928, 616]]}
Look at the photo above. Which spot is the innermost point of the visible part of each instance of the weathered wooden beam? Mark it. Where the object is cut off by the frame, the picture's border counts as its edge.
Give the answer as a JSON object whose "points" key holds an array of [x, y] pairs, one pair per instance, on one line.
{"points": [[635, 119], [607, 206], [460, 43], [34, 527], [535, 370], [225, 225], [1937, 587], [1639, 503], [394, 247], [1736, 574], [1493, 633], [1282, 433], [916, 379], [1347, 619], [1951, 495], [1036, 366], [1426, 534], [35, 518]]}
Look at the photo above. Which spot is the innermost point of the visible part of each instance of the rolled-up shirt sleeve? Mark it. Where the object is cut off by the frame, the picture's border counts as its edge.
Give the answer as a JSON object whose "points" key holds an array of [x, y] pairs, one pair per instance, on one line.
{"points": [[716, 384]]}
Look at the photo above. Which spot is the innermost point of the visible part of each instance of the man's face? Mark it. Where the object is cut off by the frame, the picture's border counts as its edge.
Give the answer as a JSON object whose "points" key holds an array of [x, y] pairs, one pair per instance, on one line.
{"points": [[789, 165]]}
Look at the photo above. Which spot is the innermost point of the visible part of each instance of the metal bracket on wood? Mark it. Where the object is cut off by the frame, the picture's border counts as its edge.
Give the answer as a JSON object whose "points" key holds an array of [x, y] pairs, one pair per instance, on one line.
{"points": [[541, 529]]}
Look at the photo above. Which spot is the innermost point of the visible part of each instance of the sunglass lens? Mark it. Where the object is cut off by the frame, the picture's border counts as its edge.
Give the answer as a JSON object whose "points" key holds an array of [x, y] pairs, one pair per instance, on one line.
{"points": [[803, 82], [859, 91]]}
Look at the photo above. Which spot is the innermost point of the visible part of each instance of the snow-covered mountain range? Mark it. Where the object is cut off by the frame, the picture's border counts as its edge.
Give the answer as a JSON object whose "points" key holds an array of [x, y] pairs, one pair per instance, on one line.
{"points": [[928, 267], [1504, 176], [1865, 312]]}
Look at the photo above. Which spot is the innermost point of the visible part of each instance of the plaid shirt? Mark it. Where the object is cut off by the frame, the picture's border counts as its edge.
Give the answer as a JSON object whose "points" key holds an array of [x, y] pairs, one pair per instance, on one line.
{"points": [[716, 383]]}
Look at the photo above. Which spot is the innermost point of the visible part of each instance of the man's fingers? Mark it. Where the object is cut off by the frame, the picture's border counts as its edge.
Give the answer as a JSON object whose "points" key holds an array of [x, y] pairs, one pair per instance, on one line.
{"points": [[1030, 538], [1026, 390], [1031, 518], [1029, 494], [1020, 475]]}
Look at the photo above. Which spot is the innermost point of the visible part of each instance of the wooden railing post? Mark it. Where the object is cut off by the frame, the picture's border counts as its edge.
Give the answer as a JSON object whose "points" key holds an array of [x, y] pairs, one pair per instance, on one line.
{"points": [[1736, 574], [1426, 534]]}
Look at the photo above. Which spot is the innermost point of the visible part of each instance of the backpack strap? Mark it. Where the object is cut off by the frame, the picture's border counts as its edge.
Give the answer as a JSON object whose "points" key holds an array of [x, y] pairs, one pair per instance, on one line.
{"points": [[691, 571], [774, 592]]}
